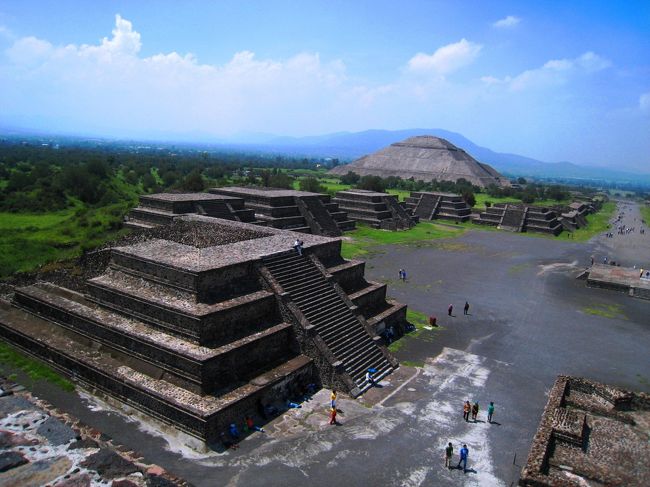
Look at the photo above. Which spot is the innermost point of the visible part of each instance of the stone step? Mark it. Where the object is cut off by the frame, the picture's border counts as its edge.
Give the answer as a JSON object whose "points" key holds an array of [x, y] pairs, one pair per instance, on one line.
{"points": [[209, 324], [202, 416], [201, 369]]}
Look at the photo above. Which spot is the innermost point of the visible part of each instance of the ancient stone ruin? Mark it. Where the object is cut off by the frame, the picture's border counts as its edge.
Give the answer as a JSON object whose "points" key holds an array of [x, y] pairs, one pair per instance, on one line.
{"points": [[516, 217], [424, 158], [299, 211], [379, 210], [162, 208], [590, 434], [438, 206], [633, 282], [212, 320], [575, 216]]}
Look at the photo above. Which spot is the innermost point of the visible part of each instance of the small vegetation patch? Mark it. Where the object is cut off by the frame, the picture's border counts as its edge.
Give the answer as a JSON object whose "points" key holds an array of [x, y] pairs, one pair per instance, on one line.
{"points": [[33, 368], [605, 310], [422, 332], [362, 240]]}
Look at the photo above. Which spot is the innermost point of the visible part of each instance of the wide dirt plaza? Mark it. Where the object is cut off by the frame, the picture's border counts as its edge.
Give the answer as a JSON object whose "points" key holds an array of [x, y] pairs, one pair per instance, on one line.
{"points": [[529, 320]]}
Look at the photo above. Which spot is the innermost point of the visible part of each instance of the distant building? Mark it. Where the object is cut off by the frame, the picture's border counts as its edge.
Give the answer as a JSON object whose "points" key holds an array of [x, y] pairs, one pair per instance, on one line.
{"points": [[424, 158]]}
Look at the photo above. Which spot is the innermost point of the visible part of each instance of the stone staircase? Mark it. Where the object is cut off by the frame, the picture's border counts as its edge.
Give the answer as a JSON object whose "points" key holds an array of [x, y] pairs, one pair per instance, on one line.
{"points": [[512, 218], [317, 217], [401, 219], [427, 206], [348, 339]]}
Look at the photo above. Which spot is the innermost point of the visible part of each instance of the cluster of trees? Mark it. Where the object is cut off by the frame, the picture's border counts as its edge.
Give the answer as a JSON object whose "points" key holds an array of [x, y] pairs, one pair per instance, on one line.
{"points": [[529, 192], [39, 178]]}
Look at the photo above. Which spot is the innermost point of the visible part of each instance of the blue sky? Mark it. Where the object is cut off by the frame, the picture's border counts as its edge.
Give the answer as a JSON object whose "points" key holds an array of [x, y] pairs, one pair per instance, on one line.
{"points": [[563, 80]]}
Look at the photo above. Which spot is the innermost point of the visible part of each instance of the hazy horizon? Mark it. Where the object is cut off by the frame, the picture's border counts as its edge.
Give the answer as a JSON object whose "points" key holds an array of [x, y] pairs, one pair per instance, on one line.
{"points": [[554, 82]]}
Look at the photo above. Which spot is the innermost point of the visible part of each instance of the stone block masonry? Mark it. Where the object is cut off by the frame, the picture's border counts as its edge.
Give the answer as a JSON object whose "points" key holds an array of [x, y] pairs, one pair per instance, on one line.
{"points": [[590, 432], [188, 325]]}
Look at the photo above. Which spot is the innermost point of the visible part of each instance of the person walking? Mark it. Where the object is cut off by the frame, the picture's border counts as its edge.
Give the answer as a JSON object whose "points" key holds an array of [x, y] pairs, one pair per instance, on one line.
{"points": [[466, 409], [333, 399], [475, 411], [332, 415], [450, 309], [464, 453], [466, 308], [449, 452], [490, 411]]}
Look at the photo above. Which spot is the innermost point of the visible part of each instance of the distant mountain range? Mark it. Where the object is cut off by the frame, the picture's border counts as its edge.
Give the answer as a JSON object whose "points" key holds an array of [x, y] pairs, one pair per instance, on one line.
{"points": [[352, 145], [348, 146]]}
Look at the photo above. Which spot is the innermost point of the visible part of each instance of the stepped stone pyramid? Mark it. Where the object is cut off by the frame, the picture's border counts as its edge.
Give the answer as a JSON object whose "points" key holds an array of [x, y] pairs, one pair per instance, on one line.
{"points": [[520, 218], [379, 210], [434, 206], [300, 211], [205, 320], [425, 158], [162, 208]]}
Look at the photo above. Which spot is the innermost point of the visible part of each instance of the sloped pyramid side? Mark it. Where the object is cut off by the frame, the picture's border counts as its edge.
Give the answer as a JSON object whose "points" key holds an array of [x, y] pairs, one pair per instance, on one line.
{"points": [[424, 158]]}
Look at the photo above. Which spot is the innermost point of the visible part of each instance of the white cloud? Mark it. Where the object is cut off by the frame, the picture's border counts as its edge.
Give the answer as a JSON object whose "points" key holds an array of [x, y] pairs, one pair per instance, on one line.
{"points": [[644, 102], [446, 59], [509, 21], [165, 91], [29, 50], [552, 73]]}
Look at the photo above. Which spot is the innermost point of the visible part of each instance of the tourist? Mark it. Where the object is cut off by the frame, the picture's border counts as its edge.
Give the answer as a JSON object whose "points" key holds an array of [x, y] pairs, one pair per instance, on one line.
{"points": [[433, 321], [369, 376], [227, 444], [490, 411], [464, 453], [466, 308], [332, 415], [297, 245], [449, 452], [250, 425], [475, 411], [233, 431], [333, 399], [466, 409], [450, 310]]}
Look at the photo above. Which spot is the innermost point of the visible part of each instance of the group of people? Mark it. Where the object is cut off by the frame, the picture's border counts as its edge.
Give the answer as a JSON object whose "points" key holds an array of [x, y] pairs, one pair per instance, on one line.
{"points": [[450, 309], [297, 245], [468, 409], [402, 275]]}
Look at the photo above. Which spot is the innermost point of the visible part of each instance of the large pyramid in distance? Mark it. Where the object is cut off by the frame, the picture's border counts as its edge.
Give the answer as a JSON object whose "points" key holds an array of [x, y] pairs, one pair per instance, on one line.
{"points": [[424, 157]]}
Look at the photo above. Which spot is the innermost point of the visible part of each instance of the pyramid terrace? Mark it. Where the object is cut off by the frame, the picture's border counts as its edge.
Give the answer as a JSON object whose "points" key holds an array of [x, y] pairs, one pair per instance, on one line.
{"points": [[205, 320]]}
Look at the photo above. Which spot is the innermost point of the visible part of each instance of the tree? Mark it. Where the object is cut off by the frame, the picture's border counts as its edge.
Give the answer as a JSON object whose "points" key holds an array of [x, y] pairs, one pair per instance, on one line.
{"points": [[372, 183], [281, 180], [469, 198], [350, 178], [193, 182], [521, 180], [311, 184]]}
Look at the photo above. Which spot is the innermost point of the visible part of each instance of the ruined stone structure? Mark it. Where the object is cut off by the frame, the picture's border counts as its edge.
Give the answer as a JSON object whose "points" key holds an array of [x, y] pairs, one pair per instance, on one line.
{"points": [[424, 158], [438, 206], [162, 208], [379, 210], [590, 434], [575, 216], [210, 322], [515, 217], [299, 211], [632, 282]]}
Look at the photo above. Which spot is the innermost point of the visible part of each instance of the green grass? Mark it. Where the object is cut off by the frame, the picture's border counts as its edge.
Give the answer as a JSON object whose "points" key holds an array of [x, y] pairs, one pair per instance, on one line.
{"points": [[28, 241], [605, 310], [33, 368], [365, 239], [645, 213], [481, 198], [422, 332]]}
